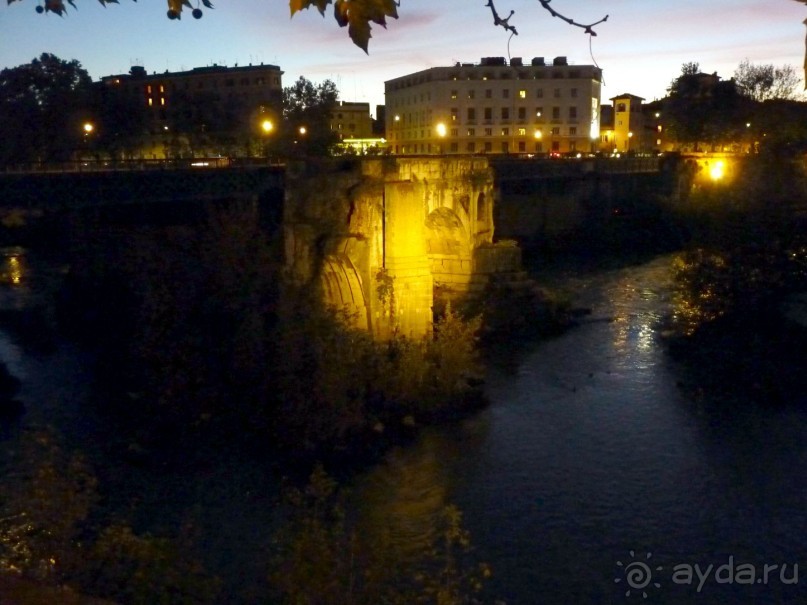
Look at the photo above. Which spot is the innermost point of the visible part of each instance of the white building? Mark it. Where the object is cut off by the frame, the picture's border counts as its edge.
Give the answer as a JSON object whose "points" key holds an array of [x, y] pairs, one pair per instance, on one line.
{"points": [[492, 107]]}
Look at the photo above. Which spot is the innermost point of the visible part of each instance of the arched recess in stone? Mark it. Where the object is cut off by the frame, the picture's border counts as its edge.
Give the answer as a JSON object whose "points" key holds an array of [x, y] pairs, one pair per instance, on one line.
{"points": [[449, 249], [342, 288]]}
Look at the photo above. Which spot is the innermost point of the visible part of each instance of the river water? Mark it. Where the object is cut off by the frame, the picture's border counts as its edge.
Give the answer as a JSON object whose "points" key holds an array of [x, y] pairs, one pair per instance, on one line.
{"points": [[593, 477], [593, 468]]}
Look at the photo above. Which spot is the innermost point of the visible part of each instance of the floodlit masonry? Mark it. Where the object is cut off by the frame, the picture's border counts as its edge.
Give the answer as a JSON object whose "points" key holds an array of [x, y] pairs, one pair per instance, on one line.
{"points": [[496, 108]]}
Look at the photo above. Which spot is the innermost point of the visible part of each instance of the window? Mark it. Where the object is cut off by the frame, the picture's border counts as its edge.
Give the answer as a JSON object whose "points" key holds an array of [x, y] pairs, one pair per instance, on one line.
{"points": [[539, 94], [522, 146], [556, 130], [471, 114], [505, 132], [454, 113], [151, 101], [620, 107], [471, 147], [488, 146], [522, 132], [522, 113], [572, 131], [470, 94], [557, 93], [573, 113], [539, 147], [453, 94], [505, 113], [488, 93], [488, 132], [506, 93], [471, 132], [522, 94], [505, 147], [556, 113], [454, 132], [574, 93], [148, 89], [488, 113], [454, 147]]}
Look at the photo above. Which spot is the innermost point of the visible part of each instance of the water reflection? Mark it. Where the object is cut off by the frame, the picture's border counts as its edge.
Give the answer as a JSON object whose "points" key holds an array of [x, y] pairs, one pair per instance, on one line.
{"points": [[13, 267]]}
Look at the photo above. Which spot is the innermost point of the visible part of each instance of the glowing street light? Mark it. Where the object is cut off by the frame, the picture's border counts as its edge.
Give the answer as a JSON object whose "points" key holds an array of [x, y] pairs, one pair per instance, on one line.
{"points": [[267, 126], [538, 135], [88, 128], [717, 171], [441, 130], [302, 130]]}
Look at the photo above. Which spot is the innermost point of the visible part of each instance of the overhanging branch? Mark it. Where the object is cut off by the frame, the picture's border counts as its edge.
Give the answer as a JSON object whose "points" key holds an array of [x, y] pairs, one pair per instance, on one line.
{"points": [[587, 28]]}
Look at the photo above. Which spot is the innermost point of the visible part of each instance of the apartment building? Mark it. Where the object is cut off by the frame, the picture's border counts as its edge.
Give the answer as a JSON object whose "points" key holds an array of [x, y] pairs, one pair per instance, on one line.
{"points": [[495, 107], [351, 120], [215, 100]]}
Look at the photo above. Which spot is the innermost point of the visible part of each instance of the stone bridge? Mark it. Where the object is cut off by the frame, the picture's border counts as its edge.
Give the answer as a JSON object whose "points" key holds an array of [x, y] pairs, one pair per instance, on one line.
{"points": [[383, 234]]}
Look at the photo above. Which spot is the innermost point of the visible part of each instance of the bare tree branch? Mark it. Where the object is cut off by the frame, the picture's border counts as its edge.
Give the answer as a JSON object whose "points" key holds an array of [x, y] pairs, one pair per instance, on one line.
{"points": [[499, 21], [587, 28]]}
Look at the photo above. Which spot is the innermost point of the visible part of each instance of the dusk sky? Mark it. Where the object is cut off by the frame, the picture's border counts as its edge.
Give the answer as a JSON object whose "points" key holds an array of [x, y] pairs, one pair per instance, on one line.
{"points": [[641, 47]]}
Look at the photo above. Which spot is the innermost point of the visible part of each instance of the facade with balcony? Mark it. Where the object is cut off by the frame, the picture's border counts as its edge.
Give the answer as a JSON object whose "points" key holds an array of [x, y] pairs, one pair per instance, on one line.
{"points": [[496, 108]]}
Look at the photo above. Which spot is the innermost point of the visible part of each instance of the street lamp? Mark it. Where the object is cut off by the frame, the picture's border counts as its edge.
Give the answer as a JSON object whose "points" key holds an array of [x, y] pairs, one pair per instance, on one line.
{"points": [[630, 136], [441, 132]]}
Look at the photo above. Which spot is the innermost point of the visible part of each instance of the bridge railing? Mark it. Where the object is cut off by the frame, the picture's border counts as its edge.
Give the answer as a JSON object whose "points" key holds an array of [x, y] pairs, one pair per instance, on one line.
{"points": [[136, 165]]}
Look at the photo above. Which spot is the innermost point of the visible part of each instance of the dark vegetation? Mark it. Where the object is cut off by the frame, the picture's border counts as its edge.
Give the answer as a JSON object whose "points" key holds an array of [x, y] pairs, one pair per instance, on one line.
{"points": [[746, 255], [205, 350]]}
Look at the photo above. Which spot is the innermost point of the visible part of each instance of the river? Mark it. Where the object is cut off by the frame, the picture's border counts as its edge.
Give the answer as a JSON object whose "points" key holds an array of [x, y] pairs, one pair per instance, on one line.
{"points": [[593, 477], [592, 468]]}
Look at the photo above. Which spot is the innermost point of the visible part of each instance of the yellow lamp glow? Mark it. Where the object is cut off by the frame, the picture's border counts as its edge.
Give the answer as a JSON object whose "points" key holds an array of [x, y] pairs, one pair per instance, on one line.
{"points": [[267, 126], [537, 134], [717, 171], [441, 130], [88, 127]]}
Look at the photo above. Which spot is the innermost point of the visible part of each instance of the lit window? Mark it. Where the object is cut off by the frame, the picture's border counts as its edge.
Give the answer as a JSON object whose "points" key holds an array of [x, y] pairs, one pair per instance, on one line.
{"points": [[148, 89], [522, 94], [506, 93], [453, 94], [151, 101], [522, 132], [471, 132], [162, 100], [505, 132], [162, 88]]}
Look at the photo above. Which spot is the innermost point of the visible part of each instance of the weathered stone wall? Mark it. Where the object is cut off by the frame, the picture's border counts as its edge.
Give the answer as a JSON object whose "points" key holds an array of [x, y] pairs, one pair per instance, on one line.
{"points": [[379, 234]]}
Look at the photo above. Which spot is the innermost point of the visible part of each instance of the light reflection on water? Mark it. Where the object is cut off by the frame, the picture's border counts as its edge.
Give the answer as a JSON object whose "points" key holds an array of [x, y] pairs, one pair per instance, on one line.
{"points": [[590, 450]]}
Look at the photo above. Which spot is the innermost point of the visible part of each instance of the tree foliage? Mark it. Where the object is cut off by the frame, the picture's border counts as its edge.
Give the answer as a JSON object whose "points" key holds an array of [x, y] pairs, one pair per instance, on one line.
{"points": [[42, 105], [307, 109], [766, 82], [702, 108]]}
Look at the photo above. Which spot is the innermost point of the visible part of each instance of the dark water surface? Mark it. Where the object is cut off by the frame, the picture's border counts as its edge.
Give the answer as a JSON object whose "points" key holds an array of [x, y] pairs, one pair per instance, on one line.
{"points": [[590, 458], [591, 450]]}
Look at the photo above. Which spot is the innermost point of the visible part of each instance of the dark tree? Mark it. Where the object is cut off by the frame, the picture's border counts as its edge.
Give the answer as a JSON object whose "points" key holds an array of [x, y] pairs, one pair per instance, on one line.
{"points": [[307, 109], [703, 109], [42, 107]]}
